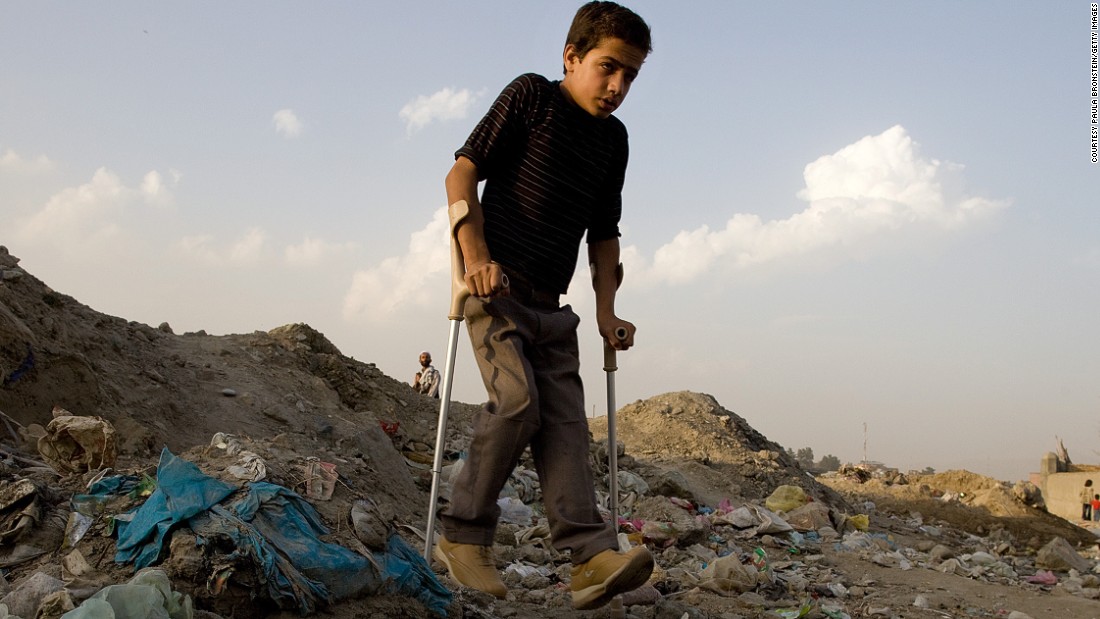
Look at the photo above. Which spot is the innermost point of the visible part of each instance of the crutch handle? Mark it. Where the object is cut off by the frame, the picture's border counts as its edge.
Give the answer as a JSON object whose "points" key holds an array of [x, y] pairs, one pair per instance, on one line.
{"points": [[459, 292], [610, 363]]}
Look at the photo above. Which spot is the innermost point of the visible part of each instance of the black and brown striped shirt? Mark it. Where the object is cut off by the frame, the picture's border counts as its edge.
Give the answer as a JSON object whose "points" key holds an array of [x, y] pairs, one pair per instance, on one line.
{"points": [[552, 172]]}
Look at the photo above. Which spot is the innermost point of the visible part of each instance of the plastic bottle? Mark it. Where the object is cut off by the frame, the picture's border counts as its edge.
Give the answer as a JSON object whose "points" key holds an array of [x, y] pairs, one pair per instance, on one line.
{"points": [[760, 559]]}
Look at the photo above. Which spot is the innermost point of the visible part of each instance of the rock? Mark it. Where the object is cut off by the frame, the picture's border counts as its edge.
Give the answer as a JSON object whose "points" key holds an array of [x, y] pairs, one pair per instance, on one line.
{"points": [[24, 600], [7, 275], [1059, 555], [752, 599], [671, 609], [647, 594], [940, 553], [1028, 494], [667, 523], [809, 517], [672, 483]]}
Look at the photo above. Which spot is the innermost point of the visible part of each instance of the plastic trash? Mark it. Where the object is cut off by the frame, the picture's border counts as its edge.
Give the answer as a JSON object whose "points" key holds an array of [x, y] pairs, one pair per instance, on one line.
{"points": [[786, 498], [760, 559], [148, 595], [728, 575], [75, 444], [183, 492], [835, 613], [513, 510], [1043, 577], [795, 613], [320, 479], [280, 532]]}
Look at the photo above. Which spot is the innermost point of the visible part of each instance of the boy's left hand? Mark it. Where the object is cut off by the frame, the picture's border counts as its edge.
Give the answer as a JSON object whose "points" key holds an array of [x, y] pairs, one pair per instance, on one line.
{"points": [[609, 326]]}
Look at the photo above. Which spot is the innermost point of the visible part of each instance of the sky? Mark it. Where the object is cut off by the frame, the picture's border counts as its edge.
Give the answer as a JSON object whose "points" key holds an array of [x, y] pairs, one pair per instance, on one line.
{"points": [[871, 229]]}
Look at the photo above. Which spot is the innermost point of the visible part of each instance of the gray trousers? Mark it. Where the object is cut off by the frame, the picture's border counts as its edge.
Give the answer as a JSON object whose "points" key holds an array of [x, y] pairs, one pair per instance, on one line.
{"points": [[530, 365]]}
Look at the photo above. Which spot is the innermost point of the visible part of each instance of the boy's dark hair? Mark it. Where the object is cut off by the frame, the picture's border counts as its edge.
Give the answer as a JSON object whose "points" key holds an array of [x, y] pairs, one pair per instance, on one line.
{"points": [[599, 20]]}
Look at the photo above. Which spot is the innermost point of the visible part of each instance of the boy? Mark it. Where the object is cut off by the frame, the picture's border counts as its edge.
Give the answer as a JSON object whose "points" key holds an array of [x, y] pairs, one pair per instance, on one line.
{"points": [[554, 159]]}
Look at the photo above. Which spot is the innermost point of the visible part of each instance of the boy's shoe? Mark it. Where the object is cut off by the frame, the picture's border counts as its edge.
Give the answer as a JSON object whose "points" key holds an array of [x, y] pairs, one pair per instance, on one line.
{"points": [[471, 565], [608, 574]]}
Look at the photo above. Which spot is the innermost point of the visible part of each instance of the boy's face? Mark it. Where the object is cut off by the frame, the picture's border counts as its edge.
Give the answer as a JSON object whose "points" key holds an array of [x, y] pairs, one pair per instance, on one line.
{"points": [[599, 81]]}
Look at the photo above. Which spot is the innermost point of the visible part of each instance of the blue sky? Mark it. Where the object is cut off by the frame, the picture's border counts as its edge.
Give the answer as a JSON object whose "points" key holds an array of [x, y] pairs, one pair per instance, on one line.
{"points": [[836, 214]]}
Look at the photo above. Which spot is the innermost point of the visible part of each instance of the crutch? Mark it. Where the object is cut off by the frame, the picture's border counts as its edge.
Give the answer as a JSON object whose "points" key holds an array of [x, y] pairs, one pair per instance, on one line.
{"points": [[610, 364], [457, 212]]}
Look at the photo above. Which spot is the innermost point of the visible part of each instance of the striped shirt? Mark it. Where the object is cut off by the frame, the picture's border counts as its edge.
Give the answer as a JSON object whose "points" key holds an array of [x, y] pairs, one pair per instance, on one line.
{"points": [[552, 172]]}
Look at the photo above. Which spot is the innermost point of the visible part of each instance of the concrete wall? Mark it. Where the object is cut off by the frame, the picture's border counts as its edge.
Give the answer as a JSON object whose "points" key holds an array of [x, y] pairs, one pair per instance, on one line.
{"points": [[1061, 492]]}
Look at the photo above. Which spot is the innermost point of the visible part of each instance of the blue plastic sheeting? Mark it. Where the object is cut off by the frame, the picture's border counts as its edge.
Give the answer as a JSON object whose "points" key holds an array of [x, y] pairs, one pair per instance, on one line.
{"points": [[182, 491], [279, 532], [407, 574], [116, 484]]}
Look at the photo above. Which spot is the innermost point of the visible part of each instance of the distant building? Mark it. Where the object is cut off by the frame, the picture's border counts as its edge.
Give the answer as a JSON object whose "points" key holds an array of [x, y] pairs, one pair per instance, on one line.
{"points": [[876, 467]]}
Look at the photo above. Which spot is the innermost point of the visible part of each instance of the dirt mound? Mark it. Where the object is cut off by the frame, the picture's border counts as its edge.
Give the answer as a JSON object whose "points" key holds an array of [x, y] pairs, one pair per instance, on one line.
{"points": [[691, 433], [159, 389], [963, 500]]}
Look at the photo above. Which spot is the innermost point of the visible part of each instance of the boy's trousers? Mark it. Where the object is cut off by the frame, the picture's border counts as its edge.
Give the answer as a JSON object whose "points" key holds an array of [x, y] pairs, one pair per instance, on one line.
{"points": [[529, 362]]}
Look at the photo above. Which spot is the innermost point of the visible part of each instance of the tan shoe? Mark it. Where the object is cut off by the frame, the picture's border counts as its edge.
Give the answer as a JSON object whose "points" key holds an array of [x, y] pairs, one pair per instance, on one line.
{"points": [[608, 574], [471, 565]]}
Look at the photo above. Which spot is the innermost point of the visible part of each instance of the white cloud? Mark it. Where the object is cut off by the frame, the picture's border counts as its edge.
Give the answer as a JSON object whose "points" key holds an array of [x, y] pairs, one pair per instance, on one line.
{"points": [[12, 162], [873, 193], [154, 190], [446, 104], [875, 190], [287, 124], [312, 252], [249, 249], [379, 291], [96, 210], [200, 249]]}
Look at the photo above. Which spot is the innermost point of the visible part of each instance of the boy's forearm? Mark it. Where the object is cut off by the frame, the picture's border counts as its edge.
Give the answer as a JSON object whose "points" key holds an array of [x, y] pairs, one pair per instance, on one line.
{"points": [[604, 255], [461, 184], [483, 277]]}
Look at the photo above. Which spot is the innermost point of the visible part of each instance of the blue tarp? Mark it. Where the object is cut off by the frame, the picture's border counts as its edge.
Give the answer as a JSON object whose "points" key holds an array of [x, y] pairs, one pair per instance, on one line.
{"points": [[279, 532], [182, 491]]}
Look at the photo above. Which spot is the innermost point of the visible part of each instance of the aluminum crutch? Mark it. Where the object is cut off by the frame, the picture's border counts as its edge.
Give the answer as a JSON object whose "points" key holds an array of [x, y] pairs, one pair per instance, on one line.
{"points": [[459, 293], [609, 366]]}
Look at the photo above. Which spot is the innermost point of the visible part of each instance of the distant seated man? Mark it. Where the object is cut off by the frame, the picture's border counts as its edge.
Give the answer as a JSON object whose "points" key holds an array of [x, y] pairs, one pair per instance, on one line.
{"points": [[426, 380]]}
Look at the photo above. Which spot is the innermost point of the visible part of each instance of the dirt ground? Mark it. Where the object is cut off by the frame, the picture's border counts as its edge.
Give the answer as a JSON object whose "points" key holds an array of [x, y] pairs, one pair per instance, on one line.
{"points": [[290, 397]]}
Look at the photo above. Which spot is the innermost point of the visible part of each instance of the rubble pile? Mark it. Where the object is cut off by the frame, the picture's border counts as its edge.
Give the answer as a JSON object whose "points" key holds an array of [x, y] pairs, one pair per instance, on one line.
{"points": [[268, 475]]}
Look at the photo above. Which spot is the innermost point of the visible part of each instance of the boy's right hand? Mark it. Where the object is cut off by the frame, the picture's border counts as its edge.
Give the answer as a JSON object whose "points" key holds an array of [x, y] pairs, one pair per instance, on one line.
{"points": [[486, 279]]}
